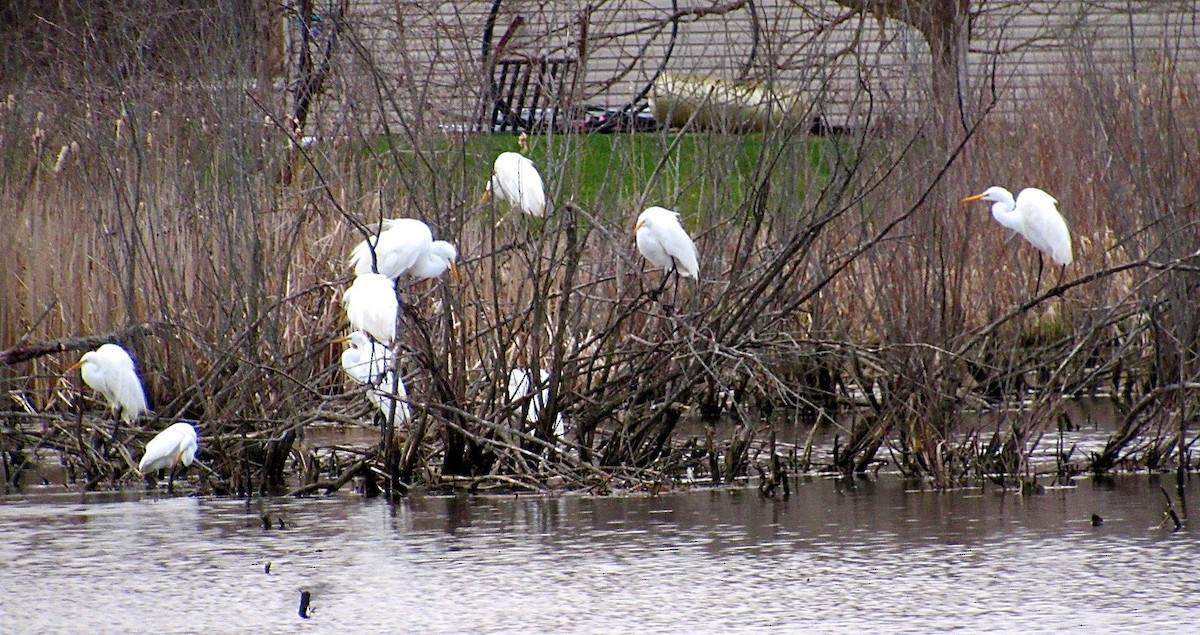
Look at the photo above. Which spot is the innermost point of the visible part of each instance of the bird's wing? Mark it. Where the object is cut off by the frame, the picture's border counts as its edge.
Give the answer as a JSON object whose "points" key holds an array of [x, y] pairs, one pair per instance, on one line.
{"points": [[159, 451], [517, 181], [1045, 227], [533, 191], [649, 243], [679, 245], [190, 446], [128, 390], [397, 248], [371, 306]]}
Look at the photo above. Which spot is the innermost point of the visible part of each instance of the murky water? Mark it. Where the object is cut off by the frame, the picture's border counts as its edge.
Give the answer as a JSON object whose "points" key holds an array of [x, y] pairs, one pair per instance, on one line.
{"points": [[872, 558]]}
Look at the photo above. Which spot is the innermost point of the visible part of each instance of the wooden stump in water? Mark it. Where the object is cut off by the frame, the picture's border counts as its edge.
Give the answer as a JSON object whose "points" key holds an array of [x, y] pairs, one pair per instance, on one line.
{"points": [[305, 600]]}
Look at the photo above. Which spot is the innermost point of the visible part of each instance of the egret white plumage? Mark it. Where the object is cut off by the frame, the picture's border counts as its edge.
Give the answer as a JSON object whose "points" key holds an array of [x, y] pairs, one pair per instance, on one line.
{"points": [[515, 179], [662, 240], [520, 386], [382, 396], [440, 257], [404, 246], [168, 450], [370, 364], [110, 371], [1034, 215], [365, 361], [371, 305]]}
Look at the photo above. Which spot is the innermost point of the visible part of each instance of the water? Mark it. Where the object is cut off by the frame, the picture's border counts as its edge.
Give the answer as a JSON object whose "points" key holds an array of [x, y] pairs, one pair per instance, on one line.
{"points": [[872, 558]]}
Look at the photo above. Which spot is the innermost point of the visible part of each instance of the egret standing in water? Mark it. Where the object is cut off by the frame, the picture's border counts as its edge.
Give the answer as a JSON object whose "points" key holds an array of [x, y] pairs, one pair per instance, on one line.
{"points": [[110, 371], [404, 246], [168, 450], [1034, 215], [662, 240], [372, 306], [515, 179]]}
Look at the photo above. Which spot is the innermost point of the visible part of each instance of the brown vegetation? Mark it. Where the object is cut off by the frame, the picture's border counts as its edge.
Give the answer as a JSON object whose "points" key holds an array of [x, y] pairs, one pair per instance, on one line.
{"points": [[854, 290]]}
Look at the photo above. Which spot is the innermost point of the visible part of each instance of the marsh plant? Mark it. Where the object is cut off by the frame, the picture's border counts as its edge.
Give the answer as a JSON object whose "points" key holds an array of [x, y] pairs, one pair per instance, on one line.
{"points": [[178, 208]]}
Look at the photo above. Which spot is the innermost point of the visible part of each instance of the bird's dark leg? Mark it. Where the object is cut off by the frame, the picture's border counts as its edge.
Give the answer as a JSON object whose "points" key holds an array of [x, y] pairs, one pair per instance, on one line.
{"points": [[657, 293], [171, 481], [673, 274], [1037, 285]]}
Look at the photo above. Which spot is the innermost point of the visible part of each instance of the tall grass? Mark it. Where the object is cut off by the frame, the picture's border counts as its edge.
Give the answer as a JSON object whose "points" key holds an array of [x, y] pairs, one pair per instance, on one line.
{"points": [[840, 280]]}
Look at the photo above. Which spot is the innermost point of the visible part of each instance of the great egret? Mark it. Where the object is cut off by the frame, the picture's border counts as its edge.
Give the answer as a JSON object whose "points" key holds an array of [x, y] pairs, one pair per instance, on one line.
{"points": [[1034, 214], [520, 386], [515, 179], [382, 396], [110, 371], [440, 257], [168, 449], [663, 241], [365, 361], [404, 246], [371, 305], [370, 364]]}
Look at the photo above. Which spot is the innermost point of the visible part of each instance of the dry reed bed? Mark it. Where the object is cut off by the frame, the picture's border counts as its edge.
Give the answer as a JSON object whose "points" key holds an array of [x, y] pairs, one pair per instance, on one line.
{"points": [[868, 297]]}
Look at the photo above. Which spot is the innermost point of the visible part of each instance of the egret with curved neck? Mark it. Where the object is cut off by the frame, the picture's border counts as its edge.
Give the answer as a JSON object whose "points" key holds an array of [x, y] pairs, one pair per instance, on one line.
{"points": [[1034, 215]]}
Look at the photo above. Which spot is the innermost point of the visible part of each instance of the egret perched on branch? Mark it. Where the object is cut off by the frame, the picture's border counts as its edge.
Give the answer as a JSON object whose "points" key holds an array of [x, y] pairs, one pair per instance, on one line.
{"points": [[515, 179], [1034, 214], [382, 396], [168, 449], [110, 371], [520, 386], [663, 241], [370, 364], [365, 361], [404, 246], [371, 305]]}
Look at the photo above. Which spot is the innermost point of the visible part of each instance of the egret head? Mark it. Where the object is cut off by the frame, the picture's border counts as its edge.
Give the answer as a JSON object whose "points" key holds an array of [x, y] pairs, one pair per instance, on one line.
{"points": [[356, 339], [446, 254], [995, 194], [651, 216], [87, 357]]}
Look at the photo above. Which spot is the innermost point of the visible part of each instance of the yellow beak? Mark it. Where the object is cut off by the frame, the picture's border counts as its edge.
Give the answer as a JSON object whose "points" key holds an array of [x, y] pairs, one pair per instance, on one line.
{"points": [[637, 227], [487, 196], [454, 273], [73, 367], [972, 199]]}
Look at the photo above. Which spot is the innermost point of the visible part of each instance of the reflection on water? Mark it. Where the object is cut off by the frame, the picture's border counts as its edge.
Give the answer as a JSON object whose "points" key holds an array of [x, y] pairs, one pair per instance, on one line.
{"points": [[833, 558]]}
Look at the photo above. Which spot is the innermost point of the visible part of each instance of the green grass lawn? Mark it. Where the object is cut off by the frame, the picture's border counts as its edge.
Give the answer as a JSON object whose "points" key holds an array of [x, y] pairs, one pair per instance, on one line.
{"points": [[701, 175]]}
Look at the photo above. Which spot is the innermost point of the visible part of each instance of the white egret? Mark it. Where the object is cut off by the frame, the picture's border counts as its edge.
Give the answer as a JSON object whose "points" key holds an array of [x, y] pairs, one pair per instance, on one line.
{"points": [[365, 361], [382, 396], [404, 246], [1034, 214], [663, 241], [440, 256], [515, 179], [168, 449], [370, 364], [110, 371], [371, 305], [520, 386]]}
